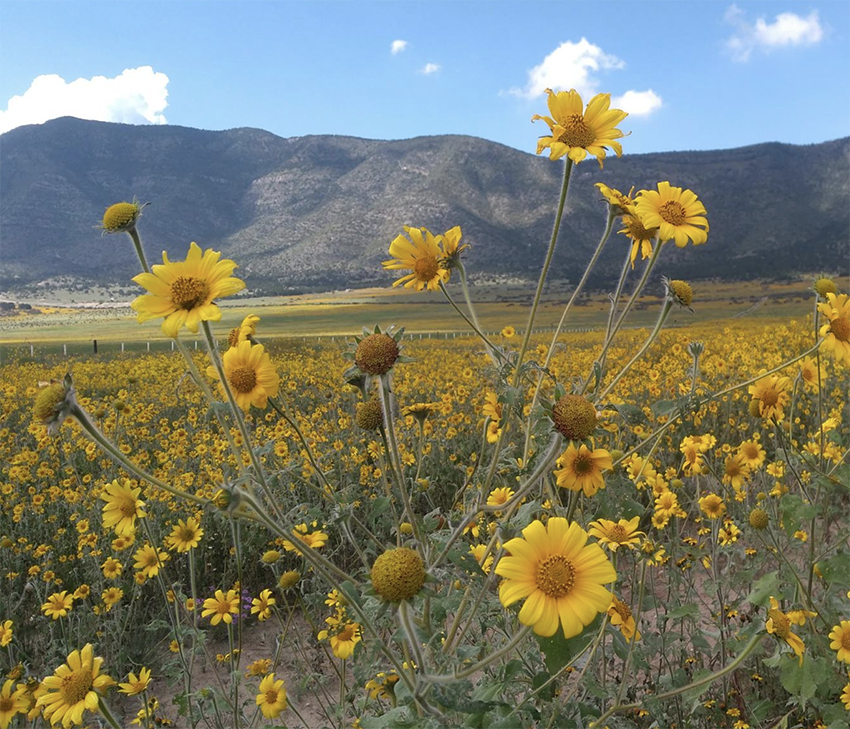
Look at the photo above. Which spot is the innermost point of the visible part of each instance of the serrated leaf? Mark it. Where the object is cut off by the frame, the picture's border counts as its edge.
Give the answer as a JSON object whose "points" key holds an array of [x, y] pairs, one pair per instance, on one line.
{"points": [[763, 588]]}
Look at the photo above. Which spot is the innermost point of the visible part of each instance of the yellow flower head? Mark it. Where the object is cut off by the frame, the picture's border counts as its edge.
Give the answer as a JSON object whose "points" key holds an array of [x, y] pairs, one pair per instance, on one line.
{"points": [[712, 506], [221, 607], [677, 213], [250, 374], [12, 702], [621, 616], [619, 203], [136, 684], [422, 256], [123, 507], [185, 535], [581, 469], [58, 605], [840, 637], [560, 577], [577, 132], [262, 605], [122, 217], [836, 331], [623, 533], [779, 624], [183, 291], [271, 697], [771, 395], [244, 331], [148, 560], [398, 574], [344, 635], [74, 687]]}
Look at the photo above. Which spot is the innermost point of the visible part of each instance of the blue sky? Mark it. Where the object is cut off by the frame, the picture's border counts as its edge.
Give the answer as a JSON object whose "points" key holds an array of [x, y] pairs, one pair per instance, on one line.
{"points": [[696, 75]]}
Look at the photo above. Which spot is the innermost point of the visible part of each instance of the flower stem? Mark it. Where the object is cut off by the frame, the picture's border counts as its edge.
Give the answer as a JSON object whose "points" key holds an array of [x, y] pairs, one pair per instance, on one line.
{"points": [[140, 252], [565, 185]]}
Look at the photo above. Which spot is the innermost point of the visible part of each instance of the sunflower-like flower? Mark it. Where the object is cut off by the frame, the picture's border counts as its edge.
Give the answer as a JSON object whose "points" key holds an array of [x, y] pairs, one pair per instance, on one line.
{"points": [[712, 506], [812, 374], [837, 330], [246, 330], [123, 506], [58, 605], [618, 202], [840, 641], [12, 701], [55, 403], [640, 235], [183, 291], [560, 577], [422, 255], [677, 213], [6, 633], [262, 606], [779, 624], [74, 687], [581, 468], [223, 606], [185, 535], [149, 559], [136, 684], [271, 697], [250, 374], [122, 217], [621, 616], [577, 132], [623, 533], [314, 538], [771, 395], [344, 634]]}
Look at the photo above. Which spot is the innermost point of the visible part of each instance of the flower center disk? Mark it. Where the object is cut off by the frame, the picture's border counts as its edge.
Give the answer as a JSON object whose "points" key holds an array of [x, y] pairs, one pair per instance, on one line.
{"points": [[840, 329], [555, 575], [243, 379], [75, 687], [188, 292], [426, 268], [673, 212], [576, 132]]}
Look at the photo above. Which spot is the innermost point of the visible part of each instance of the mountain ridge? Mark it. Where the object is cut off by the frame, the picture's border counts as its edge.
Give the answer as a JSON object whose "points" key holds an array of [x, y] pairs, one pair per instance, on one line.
{"points": [[319, 211]]}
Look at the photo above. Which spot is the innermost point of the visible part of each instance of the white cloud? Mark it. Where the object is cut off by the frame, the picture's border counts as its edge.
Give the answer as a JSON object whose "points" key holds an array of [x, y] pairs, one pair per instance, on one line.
{"points": [[136, 96], [637, 103], [569, 66], [429, 68], [787, 29], [575, 66], [397, 46]]}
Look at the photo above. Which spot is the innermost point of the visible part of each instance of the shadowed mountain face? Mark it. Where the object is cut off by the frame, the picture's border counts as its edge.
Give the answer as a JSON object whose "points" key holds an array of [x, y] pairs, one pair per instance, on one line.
{"points": [[320, 211]]}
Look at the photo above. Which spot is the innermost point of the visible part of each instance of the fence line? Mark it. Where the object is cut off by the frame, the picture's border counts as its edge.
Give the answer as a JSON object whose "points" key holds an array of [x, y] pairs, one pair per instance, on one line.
{"points": [[97, 347]]}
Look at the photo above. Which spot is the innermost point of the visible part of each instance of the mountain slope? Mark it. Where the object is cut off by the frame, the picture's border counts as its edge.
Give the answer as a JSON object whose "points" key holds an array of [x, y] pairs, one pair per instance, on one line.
{"points": [[320, 211]]}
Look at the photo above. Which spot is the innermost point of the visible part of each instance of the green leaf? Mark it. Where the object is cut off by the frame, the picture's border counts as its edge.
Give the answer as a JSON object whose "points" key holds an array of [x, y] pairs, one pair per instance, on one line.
{"points": [[689, 610], [558, 651], [799, 680], [763, 588], [632, 414]]}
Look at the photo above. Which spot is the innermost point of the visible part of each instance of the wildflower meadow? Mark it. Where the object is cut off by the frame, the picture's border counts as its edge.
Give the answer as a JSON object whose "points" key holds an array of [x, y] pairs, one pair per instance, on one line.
{"points": [[640, 528]]}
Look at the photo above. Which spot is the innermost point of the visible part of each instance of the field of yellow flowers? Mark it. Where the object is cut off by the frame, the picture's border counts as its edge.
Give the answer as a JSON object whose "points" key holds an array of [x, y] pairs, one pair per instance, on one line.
{"points": [[621, 528]]}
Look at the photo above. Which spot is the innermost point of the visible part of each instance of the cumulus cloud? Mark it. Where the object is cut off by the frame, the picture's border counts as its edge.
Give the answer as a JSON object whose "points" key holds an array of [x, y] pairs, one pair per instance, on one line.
{"points": [[637, 103], [136, 96], [576, 66], [397, 46], [429, 68], [787, 29]]}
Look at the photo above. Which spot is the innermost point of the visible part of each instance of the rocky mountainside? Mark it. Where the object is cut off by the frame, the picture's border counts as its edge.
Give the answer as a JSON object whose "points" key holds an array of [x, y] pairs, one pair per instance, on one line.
{"points": [[320, 211]]}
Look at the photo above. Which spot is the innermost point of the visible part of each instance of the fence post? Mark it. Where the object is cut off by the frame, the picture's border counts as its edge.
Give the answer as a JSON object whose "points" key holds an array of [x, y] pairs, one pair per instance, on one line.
{"points": [[149, 346], [196, 345], [94, 345], [122, 346], [65, 349], [32, 351], [172, 345]]}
